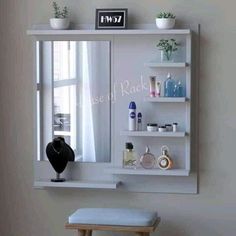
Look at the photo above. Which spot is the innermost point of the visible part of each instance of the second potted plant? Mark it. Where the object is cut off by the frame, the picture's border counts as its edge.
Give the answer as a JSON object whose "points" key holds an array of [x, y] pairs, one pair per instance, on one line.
{"points": [[60, 20], [165, 20]]}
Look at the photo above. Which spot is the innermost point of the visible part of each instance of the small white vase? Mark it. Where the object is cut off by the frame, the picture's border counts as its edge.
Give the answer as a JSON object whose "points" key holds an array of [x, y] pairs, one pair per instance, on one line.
{"points": [[59, 24], [165, 23]]}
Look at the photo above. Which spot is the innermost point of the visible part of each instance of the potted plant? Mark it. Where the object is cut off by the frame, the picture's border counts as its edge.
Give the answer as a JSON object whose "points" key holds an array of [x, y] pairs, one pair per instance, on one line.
{"points": [[60, 20], [165, 20], [167, 47]]}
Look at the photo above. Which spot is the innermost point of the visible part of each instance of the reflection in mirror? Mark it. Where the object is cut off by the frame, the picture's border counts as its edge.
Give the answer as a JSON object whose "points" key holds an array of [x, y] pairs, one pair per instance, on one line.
{"points": [[73, 91]]}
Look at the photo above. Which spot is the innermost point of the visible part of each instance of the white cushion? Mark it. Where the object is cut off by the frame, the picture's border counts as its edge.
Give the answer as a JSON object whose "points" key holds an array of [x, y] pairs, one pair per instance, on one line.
{"points": [[113, 216]]}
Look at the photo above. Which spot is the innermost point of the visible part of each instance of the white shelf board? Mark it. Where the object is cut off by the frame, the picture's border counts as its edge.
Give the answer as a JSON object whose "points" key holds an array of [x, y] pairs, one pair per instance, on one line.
{"points": [[166, 64], [166, 99], [153, 134], [141, 171], [89, 30], [76, 184]]}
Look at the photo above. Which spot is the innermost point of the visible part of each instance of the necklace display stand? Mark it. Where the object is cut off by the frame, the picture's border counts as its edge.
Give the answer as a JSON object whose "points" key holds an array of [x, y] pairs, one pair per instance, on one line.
{"points": [[59, 153], [58, 179]]}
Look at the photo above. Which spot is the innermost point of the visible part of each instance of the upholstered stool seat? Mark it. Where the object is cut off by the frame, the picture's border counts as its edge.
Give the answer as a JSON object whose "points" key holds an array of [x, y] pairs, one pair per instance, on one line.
{"points": [[85, 220]]}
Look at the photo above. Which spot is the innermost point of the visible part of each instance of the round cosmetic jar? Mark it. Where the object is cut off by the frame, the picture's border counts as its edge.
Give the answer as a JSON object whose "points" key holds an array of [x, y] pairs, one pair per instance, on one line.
{"points": [[152, 127], [162, 129], [169, 127]]}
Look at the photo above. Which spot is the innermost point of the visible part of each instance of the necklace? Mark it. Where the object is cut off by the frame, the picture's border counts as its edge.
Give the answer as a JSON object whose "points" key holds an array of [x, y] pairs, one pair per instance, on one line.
{"points": [[55, 150]]}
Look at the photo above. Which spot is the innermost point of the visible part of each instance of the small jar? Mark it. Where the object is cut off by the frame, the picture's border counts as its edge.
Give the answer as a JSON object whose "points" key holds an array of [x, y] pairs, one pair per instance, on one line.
{"points": [[168, 127], [162, 129], [152, 127], [175, 127]]}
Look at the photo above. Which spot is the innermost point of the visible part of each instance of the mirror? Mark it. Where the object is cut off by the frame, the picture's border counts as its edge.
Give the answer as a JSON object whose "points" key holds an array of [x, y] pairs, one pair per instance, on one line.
{"points": [[73, 97]]}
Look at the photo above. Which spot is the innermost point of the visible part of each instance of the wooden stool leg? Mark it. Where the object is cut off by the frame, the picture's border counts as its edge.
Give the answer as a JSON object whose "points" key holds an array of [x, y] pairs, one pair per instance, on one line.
{"points": [[89, 233], [81, 232]]}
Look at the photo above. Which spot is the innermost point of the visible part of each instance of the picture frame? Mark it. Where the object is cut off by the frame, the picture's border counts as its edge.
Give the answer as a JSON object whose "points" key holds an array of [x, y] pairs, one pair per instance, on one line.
{"points": [[111, 18]]}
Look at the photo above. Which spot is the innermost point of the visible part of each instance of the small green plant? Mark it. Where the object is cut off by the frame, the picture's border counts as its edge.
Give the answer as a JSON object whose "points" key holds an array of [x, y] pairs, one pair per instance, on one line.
{"points": [[166, 15], [168, 46], [58, 13]]}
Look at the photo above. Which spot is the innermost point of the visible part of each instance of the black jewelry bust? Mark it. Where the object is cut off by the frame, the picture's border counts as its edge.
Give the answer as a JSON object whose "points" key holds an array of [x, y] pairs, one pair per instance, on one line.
{"points": [[59, 153]]}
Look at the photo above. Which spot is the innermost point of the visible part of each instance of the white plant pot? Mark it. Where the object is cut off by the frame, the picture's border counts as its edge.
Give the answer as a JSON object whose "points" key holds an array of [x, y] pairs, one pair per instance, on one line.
{"points": [[59, 24], [165, 23]]}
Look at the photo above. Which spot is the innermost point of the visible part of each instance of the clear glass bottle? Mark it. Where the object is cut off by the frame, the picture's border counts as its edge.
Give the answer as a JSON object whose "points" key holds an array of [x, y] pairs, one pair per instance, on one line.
{"points": [[130, 157], [147, 160], [169, 86]]}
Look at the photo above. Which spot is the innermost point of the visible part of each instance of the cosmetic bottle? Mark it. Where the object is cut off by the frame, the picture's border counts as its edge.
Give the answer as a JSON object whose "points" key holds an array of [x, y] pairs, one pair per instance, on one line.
{"points": [[132, 116], [175, 127], [169, 86], [164, 161], [179, 90], [139, 126], [152, 84], [147, 160], [129, 156], [158, 88]]}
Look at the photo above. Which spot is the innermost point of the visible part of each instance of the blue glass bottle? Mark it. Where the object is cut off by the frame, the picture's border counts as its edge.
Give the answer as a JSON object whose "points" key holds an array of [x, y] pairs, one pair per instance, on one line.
{"points": [[179, 90], [169, 86]]}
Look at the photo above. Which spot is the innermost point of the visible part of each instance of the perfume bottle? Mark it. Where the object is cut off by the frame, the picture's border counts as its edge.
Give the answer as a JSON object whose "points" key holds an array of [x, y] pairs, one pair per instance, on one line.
{"points": [[147, 160], [129, 156], [164, 161], [179, 90], [169, 86]]}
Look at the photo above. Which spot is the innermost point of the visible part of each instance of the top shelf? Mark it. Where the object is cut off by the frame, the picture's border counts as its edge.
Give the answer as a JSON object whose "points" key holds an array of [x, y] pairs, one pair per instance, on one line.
{"points": [[89, 30]]}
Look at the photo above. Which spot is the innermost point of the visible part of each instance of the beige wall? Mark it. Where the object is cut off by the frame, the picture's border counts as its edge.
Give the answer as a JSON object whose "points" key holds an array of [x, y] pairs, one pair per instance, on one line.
{"points": [[28, 212]]}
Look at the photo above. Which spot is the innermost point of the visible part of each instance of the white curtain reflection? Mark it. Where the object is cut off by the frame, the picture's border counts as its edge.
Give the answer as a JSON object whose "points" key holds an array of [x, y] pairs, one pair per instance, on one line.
{"points": [[88, 140]]}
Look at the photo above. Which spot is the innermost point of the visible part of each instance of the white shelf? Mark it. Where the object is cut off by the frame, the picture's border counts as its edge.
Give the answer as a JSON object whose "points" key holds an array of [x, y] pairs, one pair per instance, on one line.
{"points": [[76, 184], [141, 171], [167, 64], [166, 99], [153, 134], [89, 30]]}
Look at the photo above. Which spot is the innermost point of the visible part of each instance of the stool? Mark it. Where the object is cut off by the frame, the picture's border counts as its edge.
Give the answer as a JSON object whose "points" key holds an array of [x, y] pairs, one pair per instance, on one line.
{"points": [[86, 220]]}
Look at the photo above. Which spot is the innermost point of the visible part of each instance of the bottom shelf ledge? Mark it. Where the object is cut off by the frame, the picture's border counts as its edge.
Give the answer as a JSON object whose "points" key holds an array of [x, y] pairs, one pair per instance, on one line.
{"points": [[141, 171], [77, 184]]}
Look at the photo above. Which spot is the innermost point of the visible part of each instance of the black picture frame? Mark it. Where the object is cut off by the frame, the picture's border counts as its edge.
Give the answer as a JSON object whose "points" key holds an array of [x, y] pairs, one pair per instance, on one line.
{"points": [[111, 18]]}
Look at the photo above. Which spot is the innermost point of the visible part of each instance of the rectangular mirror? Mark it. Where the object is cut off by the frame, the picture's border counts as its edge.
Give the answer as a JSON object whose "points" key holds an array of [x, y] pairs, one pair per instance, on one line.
{"points": [[73, 97]]}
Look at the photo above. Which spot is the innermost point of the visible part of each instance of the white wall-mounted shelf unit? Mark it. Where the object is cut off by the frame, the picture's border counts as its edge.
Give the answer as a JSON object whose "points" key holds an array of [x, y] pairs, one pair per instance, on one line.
{"points": [[177, 180]]}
